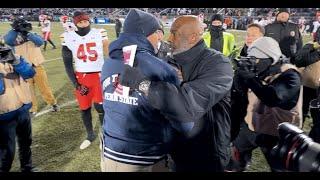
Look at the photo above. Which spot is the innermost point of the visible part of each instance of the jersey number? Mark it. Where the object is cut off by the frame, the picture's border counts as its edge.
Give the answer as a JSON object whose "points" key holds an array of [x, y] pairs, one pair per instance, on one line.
{"points": [[83, 48]]}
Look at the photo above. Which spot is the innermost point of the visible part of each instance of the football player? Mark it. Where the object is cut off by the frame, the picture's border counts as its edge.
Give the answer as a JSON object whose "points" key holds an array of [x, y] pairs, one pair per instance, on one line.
{"points": [[86, 47], [46, 31]]}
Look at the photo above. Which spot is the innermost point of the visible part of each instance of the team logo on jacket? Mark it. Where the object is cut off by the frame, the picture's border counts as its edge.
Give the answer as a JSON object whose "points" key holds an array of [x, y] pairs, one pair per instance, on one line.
{"points": [[292, 33], [117, 95]]}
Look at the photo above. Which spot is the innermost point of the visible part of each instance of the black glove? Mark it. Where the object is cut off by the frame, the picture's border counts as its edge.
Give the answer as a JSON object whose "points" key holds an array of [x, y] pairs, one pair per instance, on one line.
{"points": [[84, 90], [245, 75], [131, 77]]}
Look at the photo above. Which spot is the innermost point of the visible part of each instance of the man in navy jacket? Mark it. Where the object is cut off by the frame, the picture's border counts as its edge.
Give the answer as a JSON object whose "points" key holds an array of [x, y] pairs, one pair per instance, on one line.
{"points": [[136, 135]]}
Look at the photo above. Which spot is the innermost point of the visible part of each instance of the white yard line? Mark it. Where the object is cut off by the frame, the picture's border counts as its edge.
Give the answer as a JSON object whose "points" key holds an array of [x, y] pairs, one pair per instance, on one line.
{"points": [[54, 59], [69, 103]]}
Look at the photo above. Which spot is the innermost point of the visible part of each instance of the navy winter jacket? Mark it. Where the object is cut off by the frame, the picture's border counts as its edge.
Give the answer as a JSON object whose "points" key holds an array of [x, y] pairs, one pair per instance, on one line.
{"points": [[134, 131]]}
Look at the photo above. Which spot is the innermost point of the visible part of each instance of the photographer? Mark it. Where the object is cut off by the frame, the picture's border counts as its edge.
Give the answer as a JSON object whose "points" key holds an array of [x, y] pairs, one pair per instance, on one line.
{"points": [[15, 102], [27, 44], [273, 89], [308, 58]]}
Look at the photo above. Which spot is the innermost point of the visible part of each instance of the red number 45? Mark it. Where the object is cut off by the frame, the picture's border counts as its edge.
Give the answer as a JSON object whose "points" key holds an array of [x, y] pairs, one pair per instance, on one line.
{"points": [[81, 54]]}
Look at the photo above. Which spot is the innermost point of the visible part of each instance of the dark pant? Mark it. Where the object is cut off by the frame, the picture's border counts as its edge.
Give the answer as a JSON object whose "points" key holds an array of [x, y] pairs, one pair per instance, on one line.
{"points": [[308, 95], [117, 33], [243, 145], [19, 126], [248, 140]]}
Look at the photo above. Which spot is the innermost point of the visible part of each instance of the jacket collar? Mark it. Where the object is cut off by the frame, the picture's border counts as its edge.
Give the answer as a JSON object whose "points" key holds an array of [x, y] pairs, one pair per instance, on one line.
{"points": [[191, 54]]}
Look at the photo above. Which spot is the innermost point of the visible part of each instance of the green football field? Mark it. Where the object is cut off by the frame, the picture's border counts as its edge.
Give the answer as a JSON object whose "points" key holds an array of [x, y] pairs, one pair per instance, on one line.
{"points": [[58, 135]]}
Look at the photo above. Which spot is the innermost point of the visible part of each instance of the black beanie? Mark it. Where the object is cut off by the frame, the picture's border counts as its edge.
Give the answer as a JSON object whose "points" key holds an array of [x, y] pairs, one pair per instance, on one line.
{"points": [[218, 17], [140, 22], [280, 10]]}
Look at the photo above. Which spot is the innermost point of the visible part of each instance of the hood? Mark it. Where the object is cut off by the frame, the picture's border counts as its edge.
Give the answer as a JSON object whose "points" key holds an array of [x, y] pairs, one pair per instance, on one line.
{"points": [[126, 39]]}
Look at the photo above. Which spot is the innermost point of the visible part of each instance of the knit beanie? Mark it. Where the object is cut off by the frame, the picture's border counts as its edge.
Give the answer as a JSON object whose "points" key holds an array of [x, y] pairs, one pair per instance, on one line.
{"points": [[80, 16], [281, 10], [141, 22], [218, 17]]}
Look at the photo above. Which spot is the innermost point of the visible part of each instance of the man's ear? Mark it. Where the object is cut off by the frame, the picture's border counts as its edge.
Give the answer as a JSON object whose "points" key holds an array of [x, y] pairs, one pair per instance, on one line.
{"points": [[193, 38]]}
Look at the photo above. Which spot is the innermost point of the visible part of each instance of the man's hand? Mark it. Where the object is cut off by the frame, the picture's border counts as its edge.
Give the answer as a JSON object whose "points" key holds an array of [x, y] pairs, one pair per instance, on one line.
{"points": [[84, 90], [131, 77]]}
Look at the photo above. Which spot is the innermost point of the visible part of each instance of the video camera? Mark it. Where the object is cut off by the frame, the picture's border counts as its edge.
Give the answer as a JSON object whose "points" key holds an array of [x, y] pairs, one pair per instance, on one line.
{"points": [[6, 55], [295, 152], [21, 25], [246, 63]]}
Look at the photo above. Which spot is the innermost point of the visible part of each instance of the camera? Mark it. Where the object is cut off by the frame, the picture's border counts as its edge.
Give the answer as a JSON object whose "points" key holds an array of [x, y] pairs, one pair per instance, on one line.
{"points": [[246, 63], [295, 152], [6, 55], [21, 25]]}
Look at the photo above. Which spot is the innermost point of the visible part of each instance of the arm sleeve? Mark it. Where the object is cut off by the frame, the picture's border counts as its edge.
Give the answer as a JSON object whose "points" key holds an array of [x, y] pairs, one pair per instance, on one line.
{"points": [[306, 56], [10, 38], [192, 99], [283, 92], [68, 64], [24, 69], [36, 39]]}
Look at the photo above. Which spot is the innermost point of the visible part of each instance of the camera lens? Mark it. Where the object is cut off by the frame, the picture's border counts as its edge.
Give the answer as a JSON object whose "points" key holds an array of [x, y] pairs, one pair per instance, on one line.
{"points": [[296, 151]]}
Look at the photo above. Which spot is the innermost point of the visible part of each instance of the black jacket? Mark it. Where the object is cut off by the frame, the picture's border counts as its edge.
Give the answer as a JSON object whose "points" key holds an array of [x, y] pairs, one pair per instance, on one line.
{"points": [[288, 36], [283, 92], [203, 98]]}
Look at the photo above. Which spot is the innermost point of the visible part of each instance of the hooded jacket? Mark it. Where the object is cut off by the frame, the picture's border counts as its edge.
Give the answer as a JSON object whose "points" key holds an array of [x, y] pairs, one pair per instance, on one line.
{"points": [[134, 131]]}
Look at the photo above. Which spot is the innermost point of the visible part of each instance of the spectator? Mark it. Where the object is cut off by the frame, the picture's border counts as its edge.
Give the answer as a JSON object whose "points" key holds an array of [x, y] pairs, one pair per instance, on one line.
{"points": [[216, 38]]}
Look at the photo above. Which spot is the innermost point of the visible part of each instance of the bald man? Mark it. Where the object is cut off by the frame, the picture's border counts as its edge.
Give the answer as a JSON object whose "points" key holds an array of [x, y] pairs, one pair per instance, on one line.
{"points": [[201, 102]]}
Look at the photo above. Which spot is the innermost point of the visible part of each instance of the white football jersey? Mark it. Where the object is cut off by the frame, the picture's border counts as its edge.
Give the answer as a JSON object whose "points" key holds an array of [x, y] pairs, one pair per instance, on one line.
{"points": [[68, 26], [87, 50], [46, 26]]}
